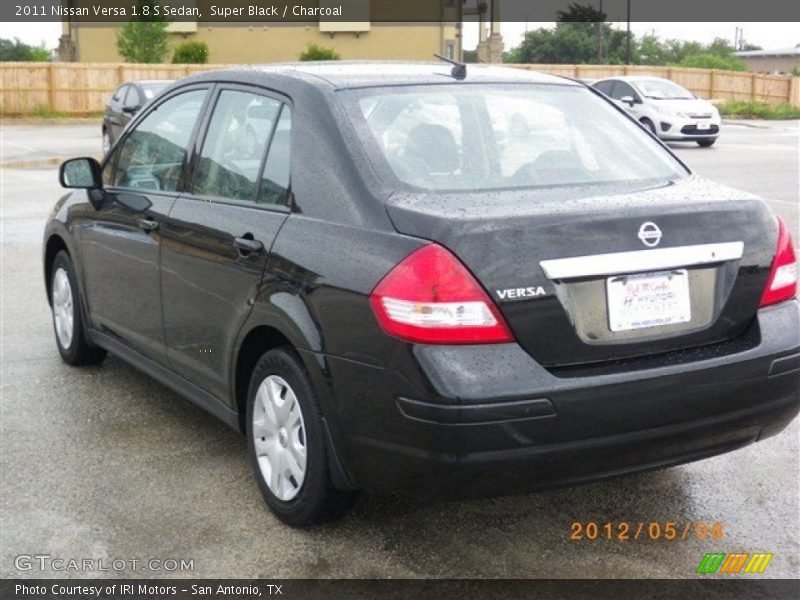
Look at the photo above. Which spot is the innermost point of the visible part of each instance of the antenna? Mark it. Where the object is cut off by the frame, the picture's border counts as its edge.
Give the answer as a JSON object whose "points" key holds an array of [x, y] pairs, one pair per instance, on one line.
{"points": [[459, 70]]}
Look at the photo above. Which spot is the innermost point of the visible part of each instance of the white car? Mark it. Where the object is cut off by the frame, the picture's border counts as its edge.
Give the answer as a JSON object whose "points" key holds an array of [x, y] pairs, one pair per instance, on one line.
{"points": [[668, 110]]}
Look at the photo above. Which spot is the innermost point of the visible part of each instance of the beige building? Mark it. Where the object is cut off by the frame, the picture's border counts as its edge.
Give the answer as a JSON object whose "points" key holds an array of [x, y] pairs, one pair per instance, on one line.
{"points": [[281, 42], [771, 61]]}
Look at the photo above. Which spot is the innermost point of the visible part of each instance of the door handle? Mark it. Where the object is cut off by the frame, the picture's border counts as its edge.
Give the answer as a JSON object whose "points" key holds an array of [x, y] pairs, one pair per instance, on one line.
{"points": [[246, 244], [148, 224]]}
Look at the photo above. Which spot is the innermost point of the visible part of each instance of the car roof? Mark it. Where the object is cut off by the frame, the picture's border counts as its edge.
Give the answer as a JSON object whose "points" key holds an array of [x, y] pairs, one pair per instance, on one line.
{"points": [[634, 78], [360, 74], [149, 82]]}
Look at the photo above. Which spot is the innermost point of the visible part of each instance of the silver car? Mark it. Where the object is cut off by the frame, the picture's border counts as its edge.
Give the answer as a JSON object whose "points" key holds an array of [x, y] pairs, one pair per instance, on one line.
{"points": [[668, 110]]}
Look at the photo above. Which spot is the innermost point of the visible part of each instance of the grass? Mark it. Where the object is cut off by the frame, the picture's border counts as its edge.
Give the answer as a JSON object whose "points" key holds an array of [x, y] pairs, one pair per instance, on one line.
{"points": [[44, 112], [759, 110]]}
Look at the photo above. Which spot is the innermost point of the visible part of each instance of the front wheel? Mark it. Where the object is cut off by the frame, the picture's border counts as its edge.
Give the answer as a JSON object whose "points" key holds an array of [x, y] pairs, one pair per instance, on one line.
{"points": [[706, 143], [287, 443], [649, 125], [65, 301]]}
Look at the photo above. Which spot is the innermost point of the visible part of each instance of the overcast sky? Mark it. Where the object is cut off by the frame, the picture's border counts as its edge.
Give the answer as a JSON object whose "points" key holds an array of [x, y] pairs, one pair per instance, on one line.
{"points": [[766, 35]]}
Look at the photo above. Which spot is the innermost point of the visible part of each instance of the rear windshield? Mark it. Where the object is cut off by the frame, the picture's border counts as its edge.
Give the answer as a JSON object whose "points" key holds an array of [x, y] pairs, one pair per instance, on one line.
{"points": [[480, 137]]}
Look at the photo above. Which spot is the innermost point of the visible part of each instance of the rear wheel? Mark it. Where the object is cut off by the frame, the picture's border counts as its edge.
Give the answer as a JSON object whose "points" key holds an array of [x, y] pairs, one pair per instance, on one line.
{"points": [[706, 143], [65, 301], [649, 125], [287, 443]]}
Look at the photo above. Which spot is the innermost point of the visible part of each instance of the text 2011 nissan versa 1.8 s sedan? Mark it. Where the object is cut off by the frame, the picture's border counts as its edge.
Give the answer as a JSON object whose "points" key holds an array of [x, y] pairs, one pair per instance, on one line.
{"points": [[407, 278]]}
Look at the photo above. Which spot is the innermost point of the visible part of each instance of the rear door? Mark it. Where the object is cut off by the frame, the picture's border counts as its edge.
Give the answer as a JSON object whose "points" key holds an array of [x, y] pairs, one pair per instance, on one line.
{"points": [[220, 232], [122, 241]]}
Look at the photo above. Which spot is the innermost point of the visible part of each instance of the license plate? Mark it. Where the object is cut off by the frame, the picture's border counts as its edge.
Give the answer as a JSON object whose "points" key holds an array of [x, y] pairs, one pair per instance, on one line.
{"points": [[648, 300], [702, 125]]}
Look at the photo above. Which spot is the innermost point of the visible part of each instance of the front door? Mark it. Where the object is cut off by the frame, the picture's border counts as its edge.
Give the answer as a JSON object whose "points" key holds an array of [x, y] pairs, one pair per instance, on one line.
{"points": [[219, 234], [121, 244]]}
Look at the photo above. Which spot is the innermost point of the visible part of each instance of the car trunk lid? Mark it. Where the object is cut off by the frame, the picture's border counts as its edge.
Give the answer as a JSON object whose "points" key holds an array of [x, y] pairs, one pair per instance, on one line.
{"points": [[564, 263]]}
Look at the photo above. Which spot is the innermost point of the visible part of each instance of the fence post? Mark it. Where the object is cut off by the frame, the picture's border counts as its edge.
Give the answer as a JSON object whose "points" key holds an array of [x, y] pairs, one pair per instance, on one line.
{"points": [[578, 72], [51, 83], [753, 87], [120, 74], [711, 82], [794, 91]]}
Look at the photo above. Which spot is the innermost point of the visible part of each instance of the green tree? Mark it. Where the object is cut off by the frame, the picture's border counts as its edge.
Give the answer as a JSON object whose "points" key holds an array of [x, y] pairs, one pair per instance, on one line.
{"points": [[315, 52], [144, 40], [19, 51], [191, 53]]}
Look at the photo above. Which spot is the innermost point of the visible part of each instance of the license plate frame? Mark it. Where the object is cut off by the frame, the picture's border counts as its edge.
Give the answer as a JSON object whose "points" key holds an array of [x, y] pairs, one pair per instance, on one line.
{"points": [[644, 300], [703, 126]]}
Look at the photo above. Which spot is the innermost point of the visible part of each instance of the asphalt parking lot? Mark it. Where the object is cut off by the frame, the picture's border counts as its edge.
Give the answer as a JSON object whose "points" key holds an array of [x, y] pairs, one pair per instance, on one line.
{"points": [[104, 463]]}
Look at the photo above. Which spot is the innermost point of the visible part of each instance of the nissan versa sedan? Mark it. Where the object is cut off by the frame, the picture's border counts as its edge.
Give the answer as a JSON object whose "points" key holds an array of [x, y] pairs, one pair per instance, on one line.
{"points": [[667, 109], [435, 281]]}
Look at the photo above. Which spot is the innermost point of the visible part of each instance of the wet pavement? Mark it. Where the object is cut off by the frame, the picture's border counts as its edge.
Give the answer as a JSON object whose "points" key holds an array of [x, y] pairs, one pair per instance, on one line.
{"points": [[104, 463]]}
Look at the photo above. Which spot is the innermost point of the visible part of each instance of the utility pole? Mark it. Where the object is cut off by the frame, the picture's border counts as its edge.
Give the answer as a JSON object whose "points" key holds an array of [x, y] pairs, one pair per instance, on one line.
{"points": [[628, 37], [600, 36]]}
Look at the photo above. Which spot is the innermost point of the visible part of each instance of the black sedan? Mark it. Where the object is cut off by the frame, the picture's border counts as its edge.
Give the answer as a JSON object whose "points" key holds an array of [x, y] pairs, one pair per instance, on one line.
{"points": [[407, 278], [127, 100]]}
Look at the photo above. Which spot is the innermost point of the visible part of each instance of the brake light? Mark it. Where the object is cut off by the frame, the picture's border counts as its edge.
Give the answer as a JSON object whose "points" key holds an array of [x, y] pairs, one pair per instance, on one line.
{"points": [[782, 282], [431, 298]]}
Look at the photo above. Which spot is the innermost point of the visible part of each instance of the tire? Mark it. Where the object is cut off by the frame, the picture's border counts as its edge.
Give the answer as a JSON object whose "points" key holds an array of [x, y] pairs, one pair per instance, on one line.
{"points": [[706, 143], [284, 427], [67, 310], [649, 125], [107, 143]]}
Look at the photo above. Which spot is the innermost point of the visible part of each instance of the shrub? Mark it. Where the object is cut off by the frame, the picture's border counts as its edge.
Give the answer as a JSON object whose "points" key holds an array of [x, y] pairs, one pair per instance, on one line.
{"points": [[191, 53], [143, 41], [759, 110], [714, 61], [315, 52]]}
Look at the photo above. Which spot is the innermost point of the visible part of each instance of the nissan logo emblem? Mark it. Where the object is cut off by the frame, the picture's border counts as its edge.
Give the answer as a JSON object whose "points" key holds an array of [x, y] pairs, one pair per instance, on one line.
{"points": [[650, 234]]}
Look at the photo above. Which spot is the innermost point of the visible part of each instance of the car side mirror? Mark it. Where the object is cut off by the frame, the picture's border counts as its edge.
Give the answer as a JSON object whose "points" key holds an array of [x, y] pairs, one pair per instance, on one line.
{"points": [[131, 110], [80, 173], [628, 100]]}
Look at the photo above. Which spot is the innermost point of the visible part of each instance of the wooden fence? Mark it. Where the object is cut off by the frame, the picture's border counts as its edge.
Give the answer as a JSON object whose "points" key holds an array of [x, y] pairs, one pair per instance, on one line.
{"points": [[706, 83], [83, 88]]}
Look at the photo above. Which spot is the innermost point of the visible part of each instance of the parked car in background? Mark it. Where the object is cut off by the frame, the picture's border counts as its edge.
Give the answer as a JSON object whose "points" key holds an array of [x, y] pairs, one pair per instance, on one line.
{"points": [[667, 109], [437, 283], [127, 100]]}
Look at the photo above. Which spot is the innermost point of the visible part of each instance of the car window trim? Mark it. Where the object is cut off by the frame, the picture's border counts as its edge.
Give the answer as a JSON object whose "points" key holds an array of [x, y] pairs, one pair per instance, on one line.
{"points": [[199, 141], [209, 87]]}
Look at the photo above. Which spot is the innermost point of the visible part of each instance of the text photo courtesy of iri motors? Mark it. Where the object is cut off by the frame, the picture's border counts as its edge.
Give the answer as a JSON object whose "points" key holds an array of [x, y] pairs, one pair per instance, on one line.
{"points": [[361, 299]]}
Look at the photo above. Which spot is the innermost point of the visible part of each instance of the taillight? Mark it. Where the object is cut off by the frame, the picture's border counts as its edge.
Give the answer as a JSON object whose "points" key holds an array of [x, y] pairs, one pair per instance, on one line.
{"points": [[431, 298], [782, 283]]}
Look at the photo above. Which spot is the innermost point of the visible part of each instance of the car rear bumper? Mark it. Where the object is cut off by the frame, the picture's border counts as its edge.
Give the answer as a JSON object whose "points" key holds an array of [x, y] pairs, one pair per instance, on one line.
{"points": [[488, 420]]}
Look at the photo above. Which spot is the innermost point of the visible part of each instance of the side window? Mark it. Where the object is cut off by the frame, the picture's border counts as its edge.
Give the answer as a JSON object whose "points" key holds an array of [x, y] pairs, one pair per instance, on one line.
{"points": [[132, 99], [605, 87], [235, 145], [622, 89], [152, 155], [119, 93], [275, 180]]}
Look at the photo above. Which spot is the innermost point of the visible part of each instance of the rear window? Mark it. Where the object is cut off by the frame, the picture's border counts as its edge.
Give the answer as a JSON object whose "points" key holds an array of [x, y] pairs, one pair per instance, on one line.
{"points": [[463, 137]]}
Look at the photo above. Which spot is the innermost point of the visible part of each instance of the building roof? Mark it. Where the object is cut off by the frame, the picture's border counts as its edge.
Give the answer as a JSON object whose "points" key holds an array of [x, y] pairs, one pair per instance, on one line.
{"points": [[772, 53]]}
